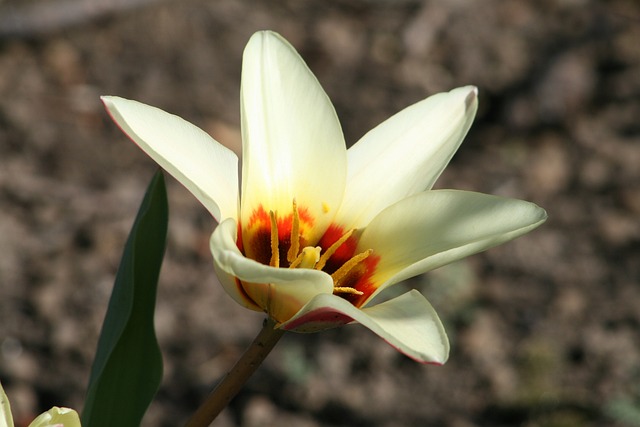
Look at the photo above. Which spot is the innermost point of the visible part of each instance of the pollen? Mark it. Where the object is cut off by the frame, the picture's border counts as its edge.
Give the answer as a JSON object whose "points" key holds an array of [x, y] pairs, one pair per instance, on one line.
{"points": [[325, 207]]}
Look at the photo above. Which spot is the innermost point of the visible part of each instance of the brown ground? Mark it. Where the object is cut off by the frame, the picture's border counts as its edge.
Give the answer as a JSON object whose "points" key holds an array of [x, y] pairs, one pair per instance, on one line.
{"points": [[545, 331]]}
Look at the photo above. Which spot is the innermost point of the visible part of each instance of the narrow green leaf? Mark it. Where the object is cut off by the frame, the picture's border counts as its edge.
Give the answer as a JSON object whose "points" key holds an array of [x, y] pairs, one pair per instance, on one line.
{"points": [[127, 369]]}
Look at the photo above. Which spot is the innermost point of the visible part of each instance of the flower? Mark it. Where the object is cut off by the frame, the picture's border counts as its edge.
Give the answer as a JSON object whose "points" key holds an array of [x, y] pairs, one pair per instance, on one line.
{"points": [[317, 231], [54, 417]]}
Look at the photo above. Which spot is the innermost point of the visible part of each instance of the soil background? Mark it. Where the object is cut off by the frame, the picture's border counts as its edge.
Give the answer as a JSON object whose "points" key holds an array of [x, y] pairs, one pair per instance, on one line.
{"points": [[545, 331]]}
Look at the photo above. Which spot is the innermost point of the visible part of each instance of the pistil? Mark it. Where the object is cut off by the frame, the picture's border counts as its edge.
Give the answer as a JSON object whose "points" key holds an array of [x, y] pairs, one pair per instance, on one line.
{"points": [[307, 258]]}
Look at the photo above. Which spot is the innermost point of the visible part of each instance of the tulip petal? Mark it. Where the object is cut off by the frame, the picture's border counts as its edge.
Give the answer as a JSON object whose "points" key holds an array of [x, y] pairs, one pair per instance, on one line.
{"points": [[280, 292], [233, 287], [225, 236], [57, 417], [435, 228], [405, 154], [6, 419], [208, 169], [293, 146], [408, 322]]}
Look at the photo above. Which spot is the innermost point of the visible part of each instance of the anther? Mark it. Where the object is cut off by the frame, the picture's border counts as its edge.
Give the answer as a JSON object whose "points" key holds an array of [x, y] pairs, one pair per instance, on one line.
{"points": [[342, 272], [332, 249], [275, 251], [347, 290], [295, 234]]}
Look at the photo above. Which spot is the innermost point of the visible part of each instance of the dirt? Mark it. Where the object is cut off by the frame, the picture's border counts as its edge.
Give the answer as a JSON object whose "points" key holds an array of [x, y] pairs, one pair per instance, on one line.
{"points": [[545, 330]]}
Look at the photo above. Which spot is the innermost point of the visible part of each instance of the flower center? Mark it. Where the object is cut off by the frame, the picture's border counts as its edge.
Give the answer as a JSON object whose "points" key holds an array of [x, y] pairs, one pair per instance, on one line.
{"points": [[313, 257]]}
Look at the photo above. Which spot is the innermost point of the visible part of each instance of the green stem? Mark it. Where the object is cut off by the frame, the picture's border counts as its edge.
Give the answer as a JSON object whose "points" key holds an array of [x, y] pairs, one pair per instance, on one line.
{"points": [[231, 384]]}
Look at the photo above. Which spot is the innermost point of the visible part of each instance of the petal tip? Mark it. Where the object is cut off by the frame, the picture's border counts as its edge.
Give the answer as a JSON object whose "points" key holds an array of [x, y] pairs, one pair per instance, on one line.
{"points": [[544, 215], [472, 98], [106, 100], [261, 38], [110, 103]]}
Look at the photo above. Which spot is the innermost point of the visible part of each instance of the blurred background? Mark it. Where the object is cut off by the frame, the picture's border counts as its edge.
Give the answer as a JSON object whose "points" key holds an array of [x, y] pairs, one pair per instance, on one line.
{"points": [[545, 330]]}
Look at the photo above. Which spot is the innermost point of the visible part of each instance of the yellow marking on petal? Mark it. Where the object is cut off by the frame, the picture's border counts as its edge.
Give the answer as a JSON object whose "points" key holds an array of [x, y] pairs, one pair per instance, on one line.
{"points": [[342, 272], [307, 258], [295, 234], [275, 250], [332, 249], [325, 207], [347, 290]]}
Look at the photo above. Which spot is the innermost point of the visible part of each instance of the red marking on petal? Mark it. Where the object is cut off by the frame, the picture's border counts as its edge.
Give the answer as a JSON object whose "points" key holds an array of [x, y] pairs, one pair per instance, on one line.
{"points": [[345, 252], [244, 293], [256, 236], [239, 238], [305, 217], [259, 217], [415, 359], [361, 280], [360, 277], [323, 318]]}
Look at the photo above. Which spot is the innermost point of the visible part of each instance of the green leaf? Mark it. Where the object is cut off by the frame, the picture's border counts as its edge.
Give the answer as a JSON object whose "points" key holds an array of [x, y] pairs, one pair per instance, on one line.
{"points": [[127, 369]]}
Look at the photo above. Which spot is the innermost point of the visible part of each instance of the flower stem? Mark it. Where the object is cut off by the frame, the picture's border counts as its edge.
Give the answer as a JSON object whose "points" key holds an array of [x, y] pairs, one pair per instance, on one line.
{"points": [[231, 384]]}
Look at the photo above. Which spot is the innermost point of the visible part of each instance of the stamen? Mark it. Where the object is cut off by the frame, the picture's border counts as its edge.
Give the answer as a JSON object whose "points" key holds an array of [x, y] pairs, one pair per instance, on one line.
{"points": [[275, 251], [347, 290], [332, 249], [342, 272], [307, 258], [295, 234], [296, 262]]}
